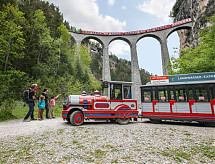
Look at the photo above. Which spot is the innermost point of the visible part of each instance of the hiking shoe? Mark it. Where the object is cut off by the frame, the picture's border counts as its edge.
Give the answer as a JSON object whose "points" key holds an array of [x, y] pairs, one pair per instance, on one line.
{"points": [[26, 120], [40, 119], [33, 119]]}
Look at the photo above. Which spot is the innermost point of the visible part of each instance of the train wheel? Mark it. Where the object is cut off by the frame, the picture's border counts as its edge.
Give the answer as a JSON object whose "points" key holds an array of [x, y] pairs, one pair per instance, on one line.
{"points": [[201, 123], [155, 121], [68, 118], [123, 121], [211, 124], [77, 118], [112, 120]]}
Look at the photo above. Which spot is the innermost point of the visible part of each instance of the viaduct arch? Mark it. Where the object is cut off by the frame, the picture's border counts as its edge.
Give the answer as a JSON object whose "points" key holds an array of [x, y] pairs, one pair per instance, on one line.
{"points": [[132, 40]]}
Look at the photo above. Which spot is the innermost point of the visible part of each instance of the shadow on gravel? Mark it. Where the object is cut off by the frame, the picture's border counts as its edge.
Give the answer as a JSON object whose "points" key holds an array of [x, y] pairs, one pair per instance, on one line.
{"points": [[145, 121], [90, 123], [179, 123]]}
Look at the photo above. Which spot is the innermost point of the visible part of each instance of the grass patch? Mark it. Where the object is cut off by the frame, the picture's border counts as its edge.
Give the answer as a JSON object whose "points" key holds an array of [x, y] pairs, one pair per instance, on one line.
{"points": [[98, 153], [108, 146], [19, 112], [75, 142], [199, 152], [187, 133], [60, 131], [114, 161]]}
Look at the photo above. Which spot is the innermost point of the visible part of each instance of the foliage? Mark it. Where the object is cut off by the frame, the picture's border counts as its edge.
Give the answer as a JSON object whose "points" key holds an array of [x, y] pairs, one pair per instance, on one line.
{"points": [[200, 59], [73, 29], [11, 36], [121, 70], [35, 47]]}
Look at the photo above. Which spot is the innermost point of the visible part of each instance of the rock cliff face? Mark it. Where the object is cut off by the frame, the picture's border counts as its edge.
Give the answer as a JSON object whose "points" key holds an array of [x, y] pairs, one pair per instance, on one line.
{"points": [[199, 11]]}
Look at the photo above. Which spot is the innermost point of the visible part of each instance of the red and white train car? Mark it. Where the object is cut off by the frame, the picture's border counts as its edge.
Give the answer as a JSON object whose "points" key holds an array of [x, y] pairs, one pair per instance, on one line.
{"points": [[116, 104], [139, 31], [188, 97]]}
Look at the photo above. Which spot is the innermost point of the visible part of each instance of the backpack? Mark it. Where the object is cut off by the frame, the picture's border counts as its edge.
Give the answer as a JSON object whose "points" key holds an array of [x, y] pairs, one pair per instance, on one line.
{"points": [[25, 96]]}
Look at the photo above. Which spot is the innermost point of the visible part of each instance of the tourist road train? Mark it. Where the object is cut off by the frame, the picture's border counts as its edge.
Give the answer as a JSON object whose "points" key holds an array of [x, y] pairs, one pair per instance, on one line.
{"points": [[187, 97], [139, 31]]}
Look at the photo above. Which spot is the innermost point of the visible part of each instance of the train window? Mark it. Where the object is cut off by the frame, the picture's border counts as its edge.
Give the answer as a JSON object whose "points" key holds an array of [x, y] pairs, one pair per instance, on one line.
{"points": [[162, 94], [171, 93], [154, 93], [105, 91], [146, 95], [181, 94], [116, 91], [201, 93], [190, 92], [127, 92], [211, 88]]}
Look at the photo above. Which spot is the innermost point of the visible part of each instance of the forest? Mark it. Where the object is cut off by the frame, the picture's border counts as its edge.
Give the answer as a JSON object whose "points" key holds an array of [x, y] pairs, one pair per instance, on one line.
{"points": [[35, 47]]}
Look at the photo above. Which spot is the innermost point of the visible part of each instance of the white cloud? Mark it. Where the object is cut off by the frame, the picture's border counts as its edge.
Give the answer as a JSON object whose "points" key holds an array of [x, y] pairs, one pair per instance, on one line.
{"points": [[158, 8], [111, 2], [124, 7], [120, 49], [85, 14]]}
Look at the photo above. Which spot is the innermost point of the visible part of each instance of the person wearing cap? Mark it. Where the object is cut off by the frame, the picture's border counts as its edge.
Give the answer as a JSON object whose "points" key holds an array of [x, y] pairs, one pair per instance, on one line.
{"points": [[30, 104], [96, 93], [84, 93]]}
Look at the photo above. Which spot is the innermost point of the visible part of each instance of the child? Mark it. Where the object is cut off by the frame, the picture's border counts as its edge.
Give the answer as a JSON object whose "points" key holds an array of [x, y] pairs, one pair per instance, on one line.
{"points": [[52, 105], [41, 106]]}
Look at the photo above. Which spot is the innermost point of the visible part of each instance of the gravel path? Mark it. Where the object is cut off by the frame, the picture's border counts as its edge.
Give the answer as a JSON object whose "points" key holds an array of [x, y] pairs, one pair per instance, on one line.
{"points": [[56, 141]]}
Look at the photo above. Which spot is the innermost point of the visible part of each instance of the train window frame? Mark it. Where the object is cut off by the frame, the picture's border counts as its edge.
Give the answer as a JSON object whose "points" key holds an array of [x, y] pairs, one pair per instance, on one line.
{"points": [[146, 89], [129, 92], [169, 92], [112, 87], [181, 97], [211, 94], [201, 97], [190, 88], [164, 98]]}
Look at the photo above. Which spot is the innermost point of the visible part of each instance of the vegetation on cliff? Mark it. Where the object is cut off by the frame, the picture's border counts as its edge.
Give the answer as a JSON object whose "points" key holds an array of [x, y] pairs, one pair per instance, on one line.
{"points": [[201, 58]]}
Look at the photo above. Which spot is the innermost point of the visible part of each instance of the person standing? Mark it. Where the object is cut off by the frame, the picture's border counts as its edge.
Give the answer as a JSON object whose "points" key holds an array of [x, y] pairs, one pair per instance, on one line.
{"points": [[52, 105], [30, 102], [45, 94], [41, 106]]}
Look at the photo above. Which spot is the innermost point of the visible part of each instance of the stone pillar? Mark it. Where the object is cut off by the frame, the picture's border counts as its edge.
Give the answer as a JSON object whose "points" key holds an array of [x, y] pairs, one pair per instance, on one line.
{"points": [[135, 73], [164, 56], [106, 64]]}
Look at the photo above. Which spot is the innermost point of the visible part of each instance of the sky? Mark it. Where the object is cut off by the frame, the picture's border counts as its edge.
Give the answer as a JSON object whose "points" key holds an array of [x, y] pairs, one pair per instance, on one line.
{"points": [[124, 15]]}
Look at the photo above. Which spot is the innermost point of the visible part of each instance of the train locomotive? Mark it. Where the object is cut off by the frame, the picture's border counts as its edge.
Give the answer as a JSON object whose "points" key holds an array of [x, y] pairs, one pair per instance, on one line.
{"points": [[116, 105]]}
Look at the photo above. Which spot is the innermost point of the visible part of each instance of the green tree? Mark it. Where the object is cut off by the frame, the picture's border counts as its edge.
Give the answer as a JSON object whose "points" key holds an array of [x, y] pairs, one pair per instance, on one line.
{"points": [[11, 52], [200, 59], [11, 37]]}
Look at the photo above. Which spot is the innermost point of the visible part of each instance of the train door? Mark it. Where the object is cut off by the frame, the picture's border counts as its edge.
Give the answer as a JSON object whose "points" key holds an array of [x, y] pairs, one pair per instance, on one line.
{"points": [[147, 99]]}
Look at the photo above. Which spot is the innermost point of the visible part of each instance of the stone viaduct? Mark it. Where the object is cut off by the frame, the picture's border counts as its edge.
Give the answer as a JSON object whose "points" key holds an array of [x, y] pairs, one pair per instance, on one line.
{"points": [[132, 40]]}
